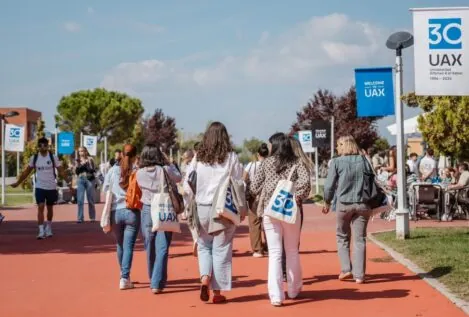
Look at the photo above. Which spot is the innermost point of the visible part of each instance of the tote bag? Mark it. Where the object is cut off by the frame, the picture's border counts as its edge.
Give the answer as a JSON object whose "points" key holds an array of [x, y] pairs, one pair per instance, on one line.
{"points": [[106, 214], [223, 202], [162, 212], [282, 204]]}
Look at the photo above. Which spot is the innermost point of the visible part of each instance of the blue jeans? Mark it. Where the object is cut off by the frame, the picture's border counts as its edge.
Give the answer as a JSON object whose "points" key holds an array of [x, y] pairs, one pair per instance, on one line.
{"points": [[85, 186], [125, 226], [157, 248]]}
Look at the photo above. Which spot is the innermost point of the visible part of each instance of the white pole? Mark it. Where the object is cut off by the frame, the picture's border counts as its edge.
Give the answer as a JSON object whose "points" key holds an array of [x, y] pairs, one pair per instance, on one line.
{"points": [[105, 149], [17, 164], [402, 214], [56, 142], [316, 167], [81, 139], [332, 137], [3, 161]]}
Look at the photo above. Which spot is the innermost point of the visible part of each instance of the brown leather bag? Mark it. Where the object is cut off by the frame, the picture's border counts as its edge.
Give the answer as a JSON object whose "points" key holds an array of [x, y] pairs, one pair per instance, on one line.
{"points": [[176, 197]]}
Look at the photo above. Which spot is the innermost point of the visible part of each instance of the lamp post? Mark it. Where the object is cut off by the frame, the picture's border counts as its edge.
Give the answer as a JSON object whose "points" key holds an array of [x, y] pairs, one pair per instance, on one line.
{"points": [[3, 116], [397, 42]]}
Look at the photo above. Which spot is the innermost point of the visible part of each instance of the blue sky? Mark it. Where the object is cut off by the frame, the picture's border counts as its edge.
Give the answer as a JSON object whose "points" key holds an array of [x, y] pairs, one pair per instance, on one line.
{"points": [[249, 64]]}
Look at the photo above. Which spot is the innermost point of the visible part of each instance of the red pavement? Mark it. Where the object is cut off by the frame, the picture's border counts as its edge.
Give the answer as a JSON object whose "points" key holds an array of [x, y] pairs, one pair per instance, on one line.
{"points": [[75, 273]]}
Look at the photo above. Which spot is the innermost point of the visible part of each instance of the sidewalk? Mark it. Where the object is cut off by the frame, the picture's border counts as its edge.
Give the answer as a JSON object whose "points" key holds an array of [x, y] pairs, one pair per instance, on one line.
{"points": [[76, 274]]}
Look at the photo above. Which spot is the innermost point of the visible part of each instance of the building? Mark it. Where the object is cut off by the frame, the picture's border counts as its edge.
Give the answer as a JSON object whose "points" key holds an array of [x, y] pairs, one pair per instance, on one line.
{"points": [[27, 118]]}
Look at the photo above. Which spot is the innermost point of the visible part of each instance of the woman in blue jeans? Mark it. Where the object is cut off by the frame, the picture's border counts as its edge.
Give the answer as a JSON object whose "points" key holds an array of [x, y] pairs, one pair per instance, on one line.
{"points": [[86, 184], [152, 162], [125, 222]]}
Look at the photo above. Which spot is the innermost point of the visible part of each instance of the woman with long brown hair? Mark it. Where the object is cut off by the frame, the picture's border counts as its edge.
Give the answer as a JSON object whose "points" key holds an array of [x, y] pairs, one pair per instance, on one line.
{"points": [[214, 161], [125, 222]]}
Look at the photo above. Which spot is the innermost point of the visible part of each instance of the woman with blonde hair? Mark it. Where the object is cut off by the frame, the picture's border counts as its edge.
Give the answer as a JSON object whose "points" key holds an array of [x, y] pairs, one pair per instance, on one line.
{"points": [[346, 178], [85, 170]]}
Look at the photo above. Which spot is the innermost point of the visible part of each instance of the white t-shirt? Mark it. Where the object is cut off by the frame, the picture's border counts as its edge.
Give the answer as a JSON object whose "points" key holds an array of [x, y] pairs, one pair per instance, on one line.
{"points": [[428, 164], [252, 168], [412, 165], [44, 171]]}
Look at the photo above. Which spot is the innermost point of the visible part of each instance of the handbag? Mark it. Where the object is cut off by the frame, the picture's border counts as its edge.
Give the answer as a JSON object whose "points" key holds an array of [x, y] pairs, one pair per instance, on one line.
{"points": [[224, 202], [173, 191], [162, 212], [134, 193], [373, 194], [282, 205], [106, 214]]}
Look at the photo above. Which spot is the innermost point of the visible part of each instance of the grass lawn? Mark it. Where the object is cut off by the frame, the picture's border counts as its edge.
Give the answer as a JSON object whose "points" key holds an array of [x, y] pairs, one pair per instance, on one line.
{"points": [[442, 252], [17, 196]]}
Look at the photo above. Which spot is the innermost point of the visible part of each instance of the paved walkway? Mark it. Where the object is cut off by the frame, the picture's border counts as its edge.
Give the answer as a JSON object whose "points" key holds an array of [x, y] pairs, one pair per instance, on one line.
{"points": [[75, 273]]}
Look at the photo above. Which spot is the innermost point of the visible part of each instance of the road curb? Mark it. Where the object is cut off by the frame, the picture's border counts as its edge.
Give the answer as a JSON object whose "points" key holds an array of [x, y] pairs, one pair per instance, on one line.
{"points": [[433, 282]]}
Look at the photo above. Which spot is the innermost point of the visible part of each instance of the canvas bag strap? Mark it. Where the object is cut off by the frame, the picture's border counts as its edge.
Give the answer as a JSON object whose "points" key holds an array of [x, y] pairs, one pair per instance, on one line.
{"points": [[290, 175], [162, 179]]}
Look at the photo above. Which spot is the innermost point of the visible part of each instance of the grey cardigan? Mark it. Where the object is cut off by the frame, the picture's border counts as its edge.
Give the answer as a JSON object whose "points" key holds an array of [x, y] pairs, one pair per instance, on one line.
{"points": [[345, 179]]}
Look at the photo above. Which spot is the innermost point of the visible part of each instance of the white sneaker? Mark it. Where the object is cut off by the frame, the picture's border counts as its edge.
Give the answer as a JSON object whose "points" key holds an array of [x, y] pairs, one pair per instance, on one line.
{"points": [[48, 230], [42, 234], [125, 284], [258, 255]]}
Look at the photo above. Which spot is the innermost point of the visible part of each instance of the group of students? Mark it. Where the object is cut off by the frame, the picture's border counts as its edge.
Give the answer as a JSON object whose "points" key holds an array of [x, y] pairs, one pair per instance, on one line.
{"points": [[214, 161]]}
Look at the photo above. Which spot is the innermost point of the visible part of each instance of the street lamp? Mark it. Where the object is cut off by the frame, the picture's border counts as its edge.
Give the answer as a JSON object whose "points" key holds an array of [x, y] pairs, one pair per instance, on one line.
{"points": [[399, 41], [2, 117]]}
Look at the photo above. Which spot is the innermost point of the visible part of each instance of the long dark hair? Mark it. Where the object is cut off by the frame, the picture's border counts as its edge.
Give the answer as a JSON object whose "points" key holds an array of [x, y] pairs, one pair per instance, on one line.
{"points": [[282, 150], [215, 145], [263, 150], [151, 156], [130, 152]]}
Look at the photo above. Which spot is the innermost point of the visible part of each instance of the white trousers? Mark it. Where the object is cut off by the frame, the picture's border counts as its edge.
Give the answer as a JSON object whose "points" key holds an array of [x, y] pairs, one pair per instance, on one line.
{"points": [[278, 234]]}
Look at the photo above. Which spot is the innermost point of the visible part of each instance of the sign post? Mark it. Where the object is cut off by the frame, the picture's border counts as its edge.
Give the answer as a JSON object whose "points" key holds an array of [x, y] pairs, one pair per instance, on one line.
{"points": [[375, 95], [12, 141], [441, 53], [66, 143], [91, 144]]}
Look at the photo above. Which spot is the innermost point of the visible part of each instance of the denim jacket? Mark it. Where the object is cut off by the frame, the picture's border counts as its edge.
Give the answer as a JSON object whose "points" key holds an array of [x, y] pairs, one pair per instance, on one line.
{"points": [[345, 179]]}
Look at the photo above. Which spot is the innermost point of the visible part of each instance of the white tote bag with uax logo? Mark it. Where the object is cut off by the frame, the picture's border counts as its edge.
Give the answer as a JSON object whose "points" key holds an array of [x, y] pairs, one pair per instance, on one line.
{"points": [[282, 204], [163, 217]]}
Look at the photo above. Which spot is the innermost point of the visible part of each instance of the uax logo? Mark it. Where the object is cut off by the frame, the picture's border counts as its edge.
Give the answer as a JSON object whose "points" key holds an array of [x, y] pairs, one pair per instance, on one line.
{"points": [[445, 33], [15, 132], [89, 142]]}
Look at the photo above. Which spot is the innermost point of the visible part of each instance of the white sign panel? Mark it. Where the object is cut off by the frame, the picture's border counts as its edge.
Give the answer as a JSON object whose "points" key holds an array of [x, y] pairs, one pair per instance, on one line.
{"points": [[441, 52], [91, 144], [14, 138], [306, 141]]}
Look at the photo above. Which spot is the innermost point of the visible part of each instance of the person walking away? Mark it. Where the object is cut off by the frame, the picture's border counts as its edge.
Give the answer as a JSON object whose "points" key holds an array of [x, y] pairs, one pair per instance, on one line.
{"points": [[125, 222], [346, 180], [85, 170], [279, 165], [214, 161], [153, 164], [255, 222], [45, 164]]}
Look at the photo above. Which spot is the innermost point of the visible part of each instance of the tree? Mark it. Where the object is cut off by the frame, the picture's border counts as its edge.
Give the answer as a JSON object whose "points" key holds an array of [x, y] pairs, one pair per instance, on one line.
{"points": [[325, 104], [444, 124], [99, 112], [381, 144], [252, 145], [138, 136], [161, 129]]}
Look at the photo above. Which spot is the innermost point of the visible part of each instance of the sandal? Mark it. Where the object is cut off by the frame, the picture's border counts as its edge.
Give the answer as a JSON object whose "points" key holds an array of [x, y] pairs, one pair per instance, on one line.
{"points": [[344, 276], [218, 299]]}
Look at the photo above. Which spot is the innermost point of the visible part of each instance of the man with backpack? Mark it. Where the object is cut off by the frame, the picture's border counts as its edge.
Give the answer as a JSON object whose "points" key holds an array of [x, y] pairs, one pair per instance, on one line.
{"points": [[44, 163]]}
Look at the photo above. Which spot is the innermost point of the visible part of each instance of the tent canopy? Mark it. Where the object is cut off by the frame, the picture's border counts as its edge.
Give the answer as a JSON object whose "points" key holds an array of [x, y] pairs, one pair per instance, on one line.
{"points": [[410, 126]]}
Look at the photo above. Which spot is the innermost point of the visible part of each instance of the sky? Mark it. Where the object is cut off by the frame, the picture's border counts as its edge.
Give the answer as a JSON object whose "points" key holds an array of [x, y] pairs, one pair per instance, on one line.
{"points": [[250, 64]]}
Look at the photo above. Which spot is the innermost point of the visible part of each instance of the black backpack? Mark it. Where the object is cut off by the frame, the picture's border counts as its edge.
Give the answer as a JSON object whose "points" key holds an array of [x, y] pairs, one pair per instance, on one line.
{"points": [[51, 156]]}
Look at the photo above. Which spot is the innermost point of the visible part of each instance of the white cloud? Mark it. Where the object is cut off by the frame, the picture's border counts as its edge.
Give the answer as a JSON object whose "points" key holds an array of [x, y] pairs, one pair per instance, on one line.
{"points": [[72, 27], [271, 79], [90, 10]]}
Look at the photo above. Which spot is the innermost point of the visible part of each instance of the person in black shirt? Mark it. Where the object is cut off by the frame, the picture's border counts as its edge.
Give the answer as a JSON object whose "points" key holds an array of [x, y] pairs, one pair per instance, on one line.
{"points": [[86, 183]]}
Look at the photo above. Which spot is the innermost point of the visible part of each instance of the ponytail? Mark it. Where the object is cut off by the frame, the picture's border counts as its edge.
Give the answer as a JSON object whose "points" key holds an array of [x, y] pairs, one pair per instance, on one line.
{"points": [[130, 152]]}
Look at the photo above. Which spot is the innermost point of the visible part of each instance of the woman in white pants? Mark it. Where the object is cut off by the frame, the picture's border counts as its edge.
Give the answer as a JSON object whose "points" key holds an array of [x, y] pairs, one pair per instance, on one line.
{"points": [[275, 168]]}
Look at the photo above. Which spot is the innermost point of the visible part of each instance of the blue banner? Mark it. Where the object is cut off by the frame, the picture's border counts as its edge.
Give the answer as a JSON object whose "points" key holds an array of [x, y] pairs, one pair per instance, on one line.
{"points": [[66, 142], [375, 92]]}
